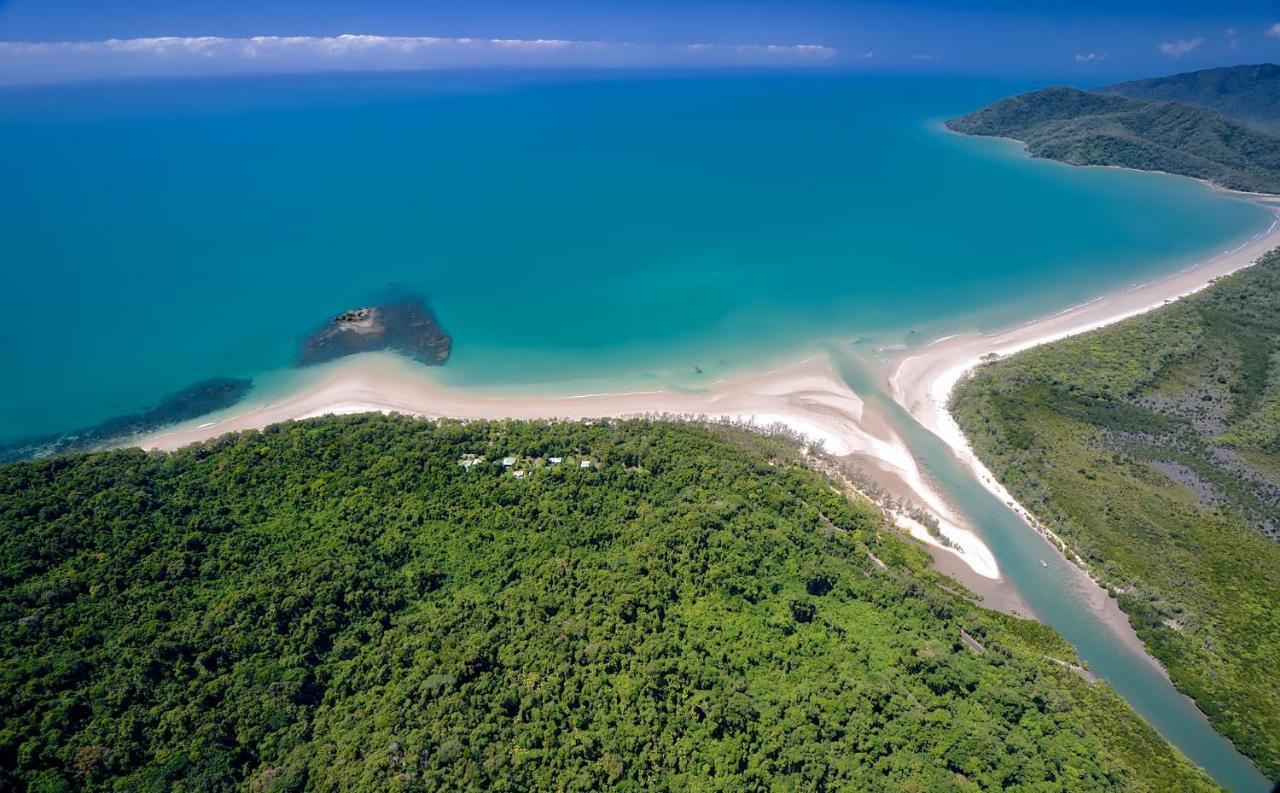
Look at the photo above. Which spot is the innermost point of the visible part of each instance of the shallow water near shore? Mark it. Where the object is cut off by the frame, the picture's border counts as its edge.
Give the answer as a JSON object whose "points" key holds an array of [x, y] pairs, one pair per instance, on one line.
{"points": [[614, 231], [574, 234]]}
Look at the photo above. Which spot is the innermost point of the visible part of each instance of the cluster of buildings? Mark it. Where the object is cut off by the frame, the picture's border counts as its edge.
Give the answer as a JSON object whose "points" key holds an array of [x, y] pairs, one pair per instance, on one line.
{"points": [[469, 461]]}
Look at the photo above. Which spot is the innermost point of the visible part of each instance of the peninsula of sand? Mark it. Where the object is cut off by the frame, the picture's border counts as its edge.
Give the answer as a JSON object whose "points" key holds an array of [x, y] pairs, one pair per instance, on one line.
{"points": [[922, 381], [808, 398]]}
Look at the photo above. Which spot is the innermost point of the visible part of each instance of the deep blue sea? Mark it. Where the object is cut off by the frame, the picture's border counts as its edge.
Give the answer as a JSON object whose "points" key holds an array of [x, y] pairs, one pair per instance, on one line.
{"points": [[595, 228]]}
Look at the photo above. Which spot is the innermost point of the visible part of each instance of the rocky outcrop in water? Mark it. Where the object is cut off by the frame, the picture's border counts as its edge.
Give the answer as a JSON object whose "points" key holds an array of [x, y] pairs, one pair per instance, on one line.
{"points": [[407, 327]]}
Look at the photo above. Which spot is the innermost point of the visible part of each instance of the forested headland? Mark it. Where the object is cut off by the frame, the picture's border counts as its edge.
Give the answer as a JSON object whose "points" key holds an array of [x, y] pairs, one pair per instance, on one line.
{"points": [[342, 604], [1152, 447], [1095, 128]]}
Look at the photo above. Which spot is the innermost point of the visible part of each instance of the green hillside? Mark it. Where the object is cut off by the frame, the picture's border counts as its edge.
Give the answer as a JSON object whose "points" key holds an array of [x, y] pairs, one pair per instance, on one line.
{"points": [[340, 605], [1248, 94], [1084, 128], [1153, 448]]}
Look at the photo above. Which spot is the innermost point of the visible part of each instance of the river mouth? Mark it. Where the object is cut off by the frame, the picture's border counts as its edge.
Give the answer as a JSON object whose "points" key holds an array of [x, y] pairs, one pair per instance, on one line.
{"points": [[1062, 595], [843, 402], [659, 237]]}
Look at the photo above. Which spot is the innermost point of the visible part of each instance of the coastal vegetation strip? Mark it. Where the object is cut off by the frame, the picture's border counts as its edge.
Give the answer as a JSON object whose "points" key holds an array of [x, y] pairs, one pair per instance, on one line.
{"points": [[1152, 448], [339, 603]]}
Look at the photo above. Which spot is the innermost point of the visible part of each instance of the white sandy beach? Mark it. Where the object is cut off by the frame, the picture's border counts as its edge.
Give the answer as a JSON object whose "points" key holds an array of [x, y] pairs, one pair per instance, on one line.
{"points": [[808, 397], [922, 380]]}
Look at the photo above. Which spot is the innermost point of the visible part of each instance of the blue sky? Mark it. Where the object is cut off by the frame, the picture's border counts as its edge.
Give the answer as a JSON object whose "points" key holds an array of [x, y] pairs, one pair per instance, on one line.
{"points": [[1083, 41]]}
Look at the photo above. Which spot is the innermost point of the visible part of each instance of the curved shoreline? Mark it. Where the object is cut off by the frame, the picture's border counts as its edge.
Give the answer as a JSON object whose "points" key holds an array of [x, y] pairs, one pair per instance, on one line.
{"points": [[921, 381], [808, 398]]}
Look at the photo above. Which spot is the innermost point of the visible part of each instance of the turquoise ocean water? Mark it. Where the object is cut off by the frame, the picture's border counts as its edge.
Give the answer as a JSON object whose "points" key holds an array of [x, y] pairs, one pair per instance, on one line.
{"points": [[574, 233], [580, 227]]}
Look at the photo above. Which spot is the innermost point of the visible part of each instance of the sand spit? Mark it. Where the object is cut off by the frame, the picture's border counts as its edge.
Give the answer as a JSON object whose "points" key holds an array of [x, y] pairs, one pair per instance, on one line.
{"points": [[809, 398], [922, 380]]}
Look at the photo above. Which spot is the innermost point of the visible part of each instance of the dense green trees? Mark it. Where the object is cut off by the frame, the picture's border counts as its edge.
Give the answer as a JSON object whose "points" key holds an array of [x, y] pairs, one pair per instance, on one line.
{"points": [[338, 605], [1153, 448], [1086, 128], [1249, 94]]}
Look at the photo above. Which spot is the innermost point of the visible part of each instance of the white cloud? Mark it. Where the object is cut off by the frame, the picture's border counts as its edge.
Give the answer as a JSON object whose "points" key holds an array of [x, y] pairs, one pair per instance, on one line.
{"points": [[185, 55], [1180, 47], [535, 44], [805, 50], [1088, 57], [922, 56], [1233, 38], [815, 50], [1274, 31]]}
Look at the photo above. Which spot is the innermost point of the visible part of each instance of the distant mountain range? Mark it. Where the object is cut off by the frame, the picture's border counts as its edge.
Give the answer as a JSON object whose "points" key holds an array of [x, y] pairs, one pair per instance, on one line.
{"points": [[1153, 125], [1247, 94]]}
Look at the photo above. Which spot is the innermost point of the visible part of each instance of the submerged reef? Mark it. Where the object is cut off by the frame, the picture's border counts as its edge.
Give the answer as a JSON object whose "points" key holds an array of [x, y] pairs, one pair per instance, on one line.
{"points": [[407, 327], [191, 402]]}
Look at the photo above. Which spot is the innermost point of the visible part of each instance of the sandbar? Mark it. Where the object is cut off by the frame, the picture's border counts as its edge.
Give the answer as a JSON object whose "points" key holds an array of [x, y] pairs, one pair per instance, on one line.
{"points": [[808, 398]]}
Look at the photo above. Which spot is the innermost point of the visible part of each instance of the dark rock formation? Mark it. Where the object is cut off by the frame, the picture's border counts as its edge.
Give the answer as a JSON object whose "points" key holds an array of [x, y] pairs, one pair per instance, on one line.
{"points": [[407, 327], [189, 403]]}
